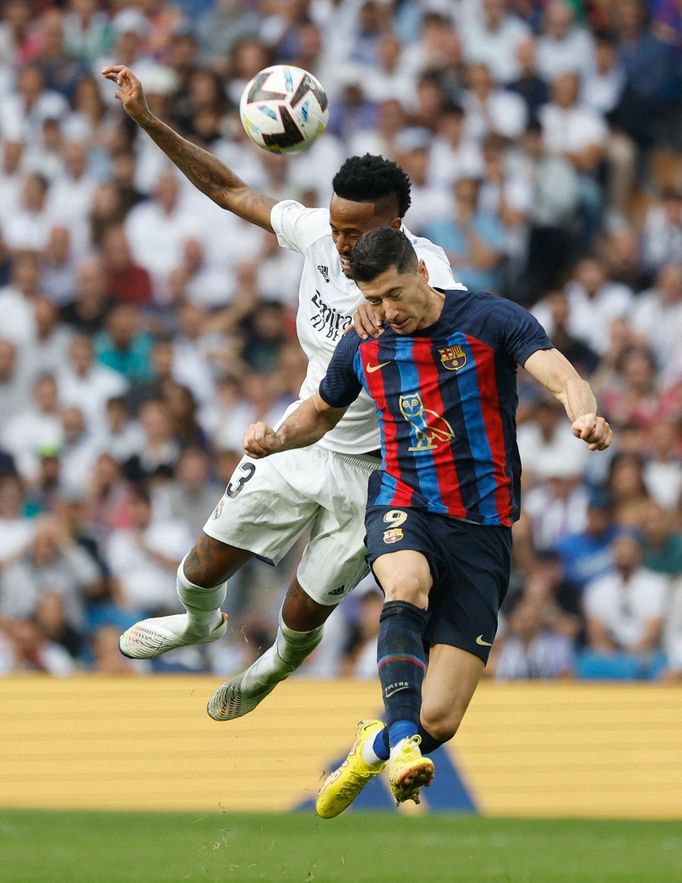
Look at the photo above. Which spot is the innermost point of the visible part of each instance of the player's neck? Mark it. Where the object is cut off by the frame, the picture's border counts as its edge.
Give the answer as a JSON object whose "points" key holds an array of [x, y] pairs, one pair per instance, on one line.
{"points": [[433, 309]]}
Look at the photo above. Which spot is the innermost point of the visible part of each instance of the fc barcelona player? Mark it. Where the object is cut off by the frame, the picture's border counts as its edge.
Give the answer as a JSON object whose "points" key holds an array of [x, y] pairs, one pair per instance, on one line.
{"points": [[441, 506]]}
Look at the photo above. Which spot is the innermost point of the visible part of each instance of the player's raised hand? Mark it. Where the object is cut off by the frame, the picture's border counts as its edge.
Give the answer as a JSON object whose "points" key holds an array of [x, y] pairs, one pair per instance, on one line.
{"points": [[593, 430], [129, 92], [366, 322], [260, 440]]}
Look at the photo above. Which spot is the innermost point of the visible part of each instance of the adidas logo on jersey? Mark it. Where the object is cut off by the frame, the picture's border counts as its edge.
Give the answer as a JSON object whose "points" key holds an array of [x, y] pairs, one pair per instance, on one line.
{"points": [[325, 272], [339, 591]]}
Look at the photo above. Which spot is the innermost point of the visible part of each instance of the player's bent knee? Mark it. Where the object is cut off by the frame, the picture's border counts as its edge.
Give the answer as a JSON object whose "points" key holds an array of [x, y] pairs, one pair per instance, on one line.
{"points": [[405, 587], [442, 722]]}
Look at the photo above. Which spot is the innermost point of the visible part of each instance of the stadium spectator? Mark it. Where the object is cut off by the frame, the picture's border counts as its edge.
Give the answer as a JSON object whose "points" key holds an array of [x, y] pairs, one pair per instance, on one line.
{"points": [[14, 382], [586, 555], [16, 530], [36, 426], [625, 611], [145, 556], [529, 84], [493, 39], [563, 46], [530, 649], [31, 651], [53, 562]]}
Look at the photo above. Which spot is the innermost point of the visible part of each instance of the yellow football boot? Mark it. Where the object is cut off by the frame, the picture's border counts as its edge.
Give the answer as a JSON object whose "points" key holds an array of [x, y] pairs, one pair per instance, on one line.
{"points": [[408, 770], [341, 787]]}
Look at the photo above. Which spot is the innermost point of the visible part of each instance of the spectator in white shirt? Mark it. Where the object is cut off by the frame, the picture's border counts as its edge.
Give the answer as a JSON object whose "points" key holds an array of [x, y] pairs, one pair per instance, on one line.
{"points": [[14, 382], [86, 383], [563, 47], [58, 266], [625, 609], [16, 531], [17, 300], [33, 428], [545, 444], [28, 230], [158, 228], [578, 133], [662, 239], [144, 557], [53, 562], [663, 467], [23, 112], [11, 176], [493, 39], [47, 350], [490, 110], [453, 154], [530, 649], [595, 302], [657, 313]]}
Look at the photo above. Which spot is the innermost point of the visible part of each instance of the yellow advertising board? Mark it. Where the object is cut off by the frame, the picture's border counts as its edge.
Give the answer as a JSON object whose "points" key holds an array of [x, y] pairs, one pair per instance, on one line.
{"points": [[531, 749]]}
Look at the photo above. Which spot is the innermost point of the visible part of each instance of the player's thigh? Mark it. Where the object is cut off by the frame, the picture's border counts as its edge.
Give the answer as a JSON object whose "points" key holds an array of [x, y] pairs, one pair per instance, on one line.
{"points": [[334, 560], [404, 576], [403, 553], [450, 682], [268, 504]]}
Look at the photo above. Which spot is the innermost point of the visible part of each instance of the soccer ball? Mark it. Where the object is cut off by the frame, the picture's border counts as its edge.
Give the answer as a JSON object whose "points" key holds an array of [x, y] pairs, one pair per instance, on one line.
{"points": [[284, 109]]}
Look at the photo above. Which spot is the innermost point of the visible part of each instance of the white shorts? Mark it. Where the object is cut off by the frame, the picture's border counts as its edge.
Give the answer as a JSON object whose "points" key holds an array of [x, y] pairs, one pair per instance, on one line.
{"points": [[269, 503]]}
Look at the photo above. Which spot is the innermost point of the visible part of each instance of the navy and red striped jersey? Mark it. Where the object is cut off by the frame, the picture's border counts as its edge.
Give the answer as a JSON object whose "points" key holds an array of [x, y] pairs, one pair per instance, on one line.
{"points": [[446, 400]]}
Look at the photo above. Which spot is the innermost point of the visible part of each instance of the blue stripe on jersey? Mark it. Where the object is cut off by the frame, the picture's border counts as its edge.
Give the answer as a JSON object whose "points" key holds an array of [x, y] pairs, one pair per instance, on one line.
{"points": [[358, 369], [424, 466], [470, 402], [387, 490]]}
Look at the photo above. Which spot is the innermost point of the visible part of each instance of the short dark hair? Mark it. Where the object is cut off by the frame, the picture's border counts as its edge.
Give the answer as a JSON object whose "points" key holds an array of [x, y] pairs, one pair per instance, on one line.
{"points": [[380, 249], [371, 178]]}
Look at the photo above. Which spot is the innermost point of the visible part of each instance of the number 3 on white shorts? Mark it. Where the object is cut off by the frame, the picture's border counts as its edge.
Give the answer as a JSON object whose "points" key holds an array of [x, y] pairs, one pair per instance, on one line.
{"points": [[247, 470]]}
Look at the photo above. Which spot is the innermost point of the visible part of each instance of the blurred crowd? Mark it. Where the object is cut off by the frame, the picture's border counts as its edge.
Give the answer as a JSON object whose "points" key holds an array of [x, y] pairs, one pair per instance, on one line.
{"points": [[142, 328]]}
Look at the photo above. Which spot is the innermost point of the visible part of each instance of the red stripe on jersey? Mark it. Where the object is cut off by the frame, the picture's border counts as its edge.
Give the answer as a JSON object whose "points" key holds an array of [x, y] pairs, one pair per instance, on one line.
{"points": [[369, 353], [444, 457], [484, 357]]}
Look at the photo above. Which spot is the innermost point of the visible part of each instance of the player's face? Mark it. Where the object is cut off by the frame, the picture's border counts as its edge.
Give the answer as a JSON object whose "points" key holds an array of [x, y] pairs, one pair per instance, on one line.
{"points": [[349, 220], [404, 301]]}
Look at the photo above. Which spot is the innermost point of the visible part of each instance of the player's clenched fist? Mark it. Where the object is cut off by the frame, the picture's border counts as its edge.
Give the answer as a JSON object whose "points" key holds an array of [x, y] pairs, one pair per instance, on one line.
{"points": [[260, 440], [593, 430], [129, 92]]}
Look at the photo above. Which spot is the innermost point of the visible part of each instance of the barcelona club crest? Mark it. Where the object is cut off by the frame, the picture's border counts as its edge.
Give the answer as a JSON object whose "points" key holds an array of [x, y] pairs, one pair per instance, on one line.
{"points": [[393, 535], [453, 357]]}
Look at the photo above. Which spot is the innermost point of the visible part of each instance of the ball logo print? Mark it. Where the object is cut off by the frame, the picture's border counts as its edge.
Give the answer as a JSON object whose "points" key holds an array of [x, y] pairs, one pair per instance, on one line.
{"points": [[284, 109]]}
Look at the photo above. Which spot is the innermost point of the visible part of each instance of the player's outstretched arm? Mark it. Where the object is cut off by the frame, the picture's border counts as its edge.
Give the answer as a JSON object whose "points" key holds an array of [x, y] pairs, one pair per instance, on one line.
{"points": [[206, 172], [306, 425], [555, 372]]}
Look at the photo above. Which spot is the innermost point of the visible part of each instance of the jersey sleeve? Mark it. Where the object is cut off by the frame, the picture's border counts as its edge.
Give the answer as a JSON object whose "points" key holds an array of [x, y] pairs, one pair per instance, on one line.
{"points": [[520, 332], [341, 386], [298, 227]]}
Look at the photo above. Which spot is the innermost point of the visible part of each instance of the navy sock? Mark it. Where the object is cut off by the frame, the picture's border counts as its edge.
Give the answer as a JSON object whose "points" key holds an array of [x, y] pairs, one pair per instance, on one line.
{"points": [[429, 743], [382, 747], [401, 661]]}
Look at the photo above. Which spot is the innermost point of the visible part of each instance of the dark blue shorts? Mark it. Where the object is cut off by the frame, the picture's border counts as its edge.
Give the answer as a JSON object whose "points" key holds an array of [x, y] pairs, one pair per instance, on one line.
{"points": [[470, 565]]}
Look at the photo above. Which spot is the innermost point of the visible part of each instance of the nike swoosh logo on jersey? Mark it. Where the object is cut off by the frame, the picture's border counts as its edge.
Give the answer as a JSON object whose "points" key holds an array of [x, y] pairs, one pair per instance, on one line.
{"points": [[482, 643], [372, 368]]}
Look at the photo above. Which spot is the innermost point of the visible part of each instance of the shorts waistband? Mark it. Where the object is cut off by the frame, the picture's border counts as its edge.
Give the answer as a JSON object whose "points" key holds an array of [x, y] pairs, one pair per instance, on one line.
{"points": [[365, 461]]}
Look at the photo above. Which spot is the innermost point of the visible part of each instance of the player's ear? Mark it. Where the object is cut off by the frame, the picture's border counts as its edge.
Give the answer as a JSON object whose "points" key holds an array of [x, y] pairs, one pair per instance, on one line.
{"points": [[423, 271], [396, 223]]}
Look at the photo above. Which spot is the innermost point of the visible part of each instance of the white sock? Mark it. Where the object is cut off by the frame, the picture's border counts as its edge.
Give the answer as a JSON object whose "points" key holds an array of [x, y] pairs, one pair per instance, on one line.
{"points": [[202, 604], [281, 659]]}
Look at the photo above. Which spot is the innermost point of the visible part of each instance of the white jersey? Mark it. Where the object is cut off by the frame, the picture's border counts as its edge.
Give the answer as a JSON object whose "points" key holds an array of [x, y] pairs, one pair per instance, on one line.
{"points": [[327, 300]]}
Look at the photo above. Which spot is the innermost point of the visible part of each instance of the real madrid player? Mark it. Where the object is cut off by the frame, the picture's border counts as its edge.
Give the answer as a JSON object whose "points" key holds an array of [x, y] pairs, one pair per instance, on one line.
{"points": [[441, 506], [268, 504]]}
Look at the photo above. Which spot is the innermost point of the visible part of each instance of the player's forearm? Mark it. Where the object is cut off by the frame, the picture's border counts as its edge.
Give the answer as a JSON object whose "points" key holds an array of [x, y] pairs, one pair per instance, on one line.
{"points": [[577, 398], [307, 424], [208, 174]]}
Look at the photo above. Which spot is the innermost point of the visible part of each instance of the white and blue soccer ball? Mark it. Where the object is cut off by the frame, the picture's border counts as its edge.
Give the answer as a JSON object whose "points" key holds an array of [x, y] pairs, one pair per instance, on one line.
{"points": [[284, 109]]}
